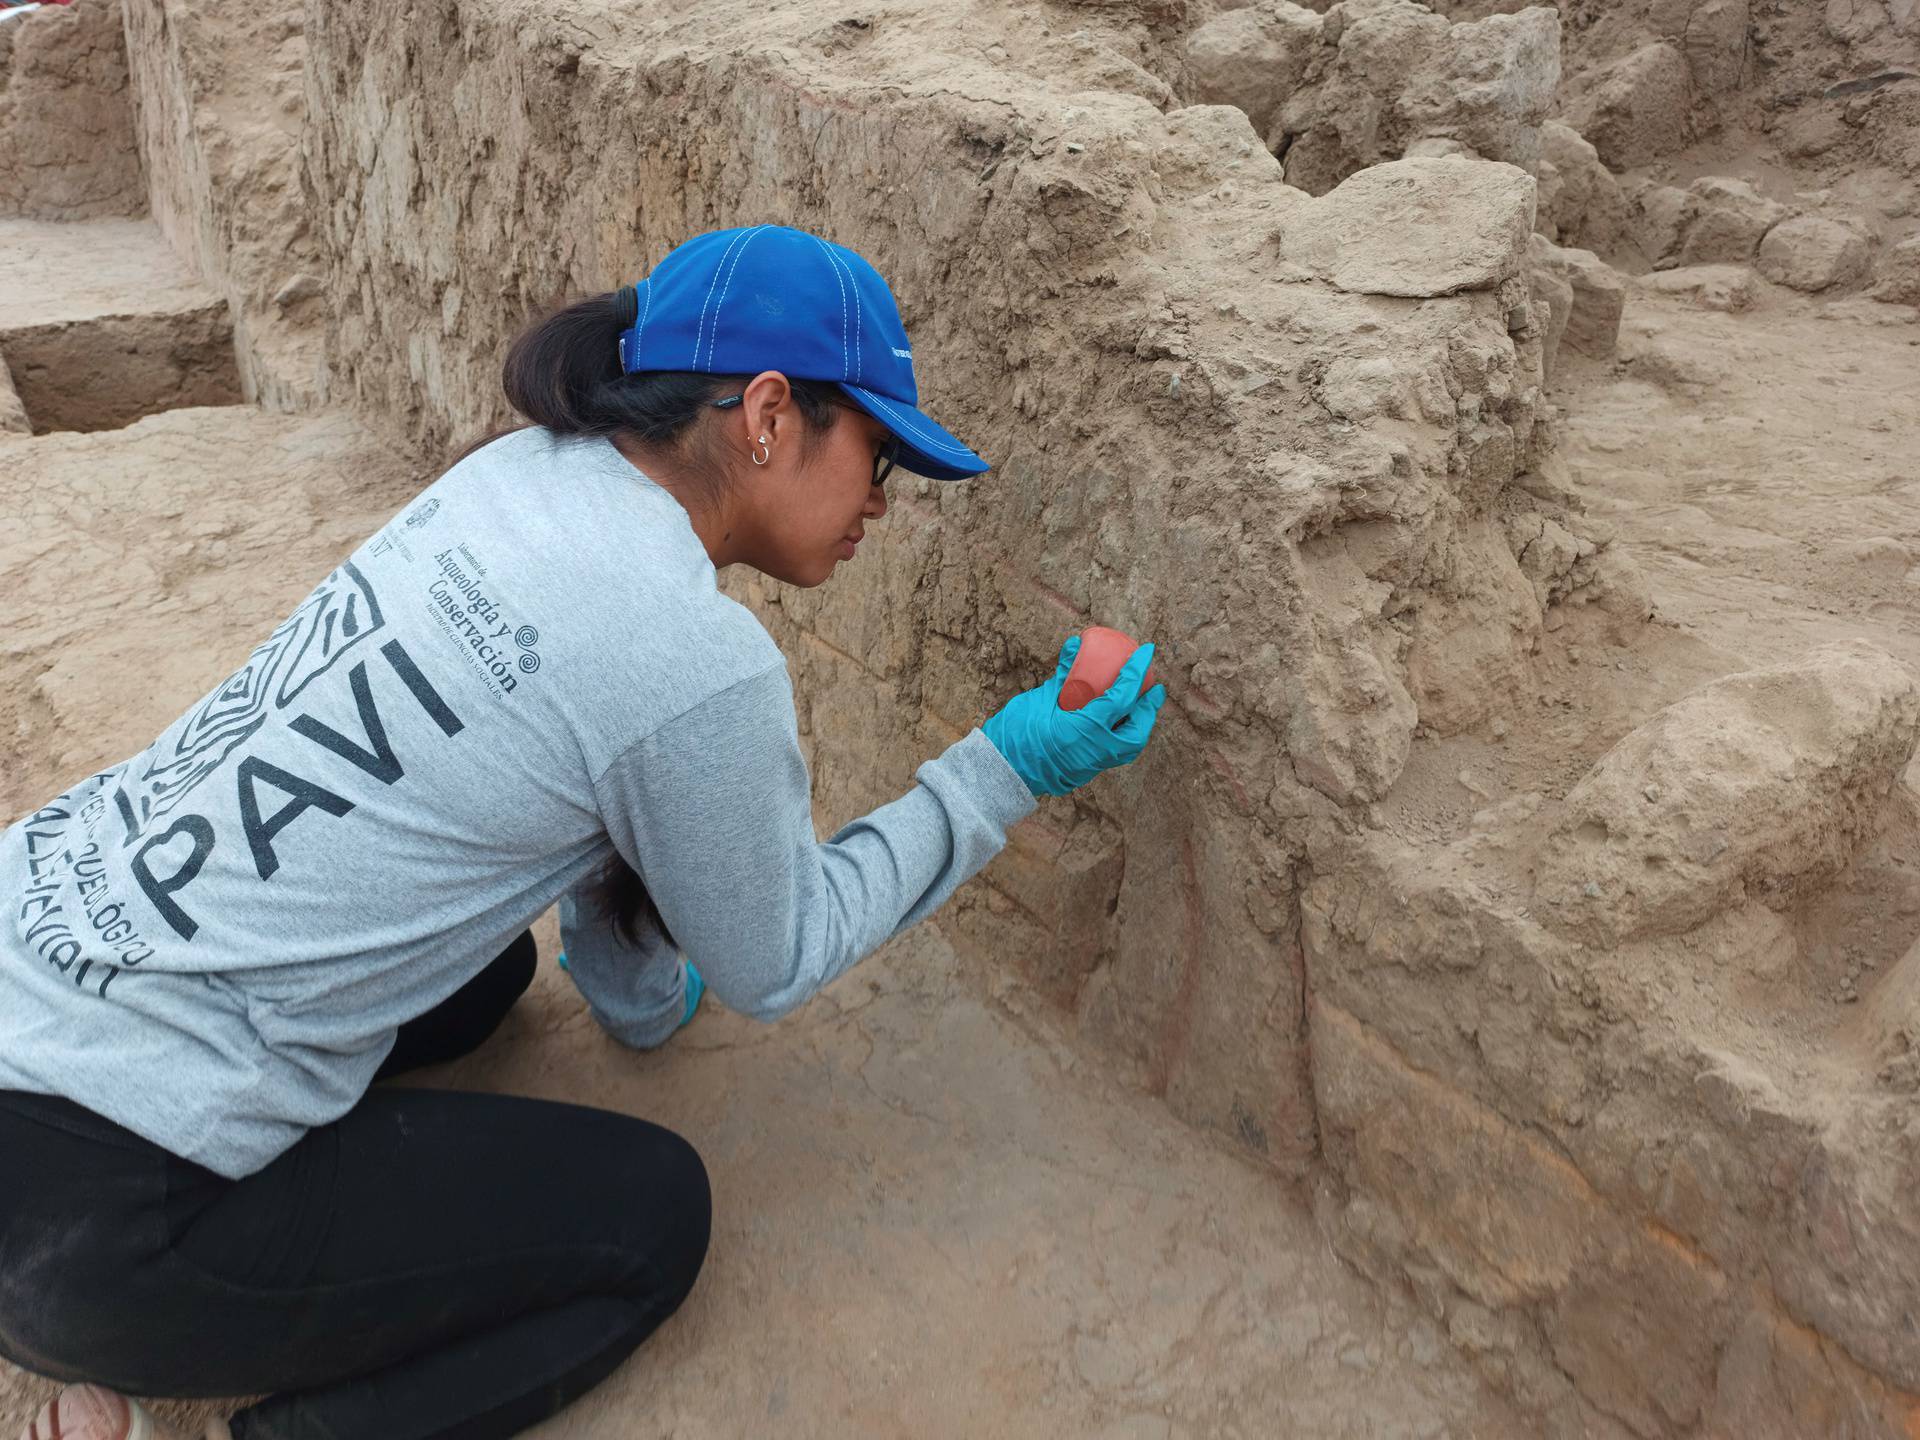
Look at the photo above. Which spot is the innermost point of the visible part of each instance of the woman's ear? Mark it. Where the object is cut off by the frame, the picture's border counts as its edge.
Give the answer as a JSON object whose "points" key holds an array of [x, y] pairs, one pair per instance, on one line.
{"points": [[766, 403]]}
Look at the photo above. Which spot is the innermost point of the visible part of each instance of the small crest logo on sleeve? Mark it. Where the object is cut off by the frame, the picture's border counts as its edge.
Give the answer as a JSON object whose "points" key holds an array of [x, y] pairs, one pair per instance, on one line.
{"points": [[420, 514]]}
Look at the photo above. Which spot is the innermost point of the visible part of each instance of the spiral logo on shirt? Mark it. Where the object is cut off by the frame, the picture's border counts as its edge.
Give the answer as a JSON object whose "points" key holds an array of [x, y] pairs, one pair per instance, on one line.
{"points": [[470, 610], [341, 613], [526, 637]]}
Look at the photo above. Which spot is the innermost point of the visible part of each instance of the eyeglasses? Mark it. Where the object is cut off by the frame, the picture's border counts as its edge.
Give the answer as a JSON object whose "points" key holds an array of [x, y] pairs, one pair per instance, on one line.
{"points": [[884, 459]]}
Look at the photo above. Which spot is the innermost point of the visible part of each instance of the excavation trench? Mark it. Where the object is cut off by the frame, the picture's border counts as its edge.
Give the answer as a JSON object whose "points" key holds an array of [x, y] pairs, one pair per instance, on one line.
{"points": [[1414, 905]]}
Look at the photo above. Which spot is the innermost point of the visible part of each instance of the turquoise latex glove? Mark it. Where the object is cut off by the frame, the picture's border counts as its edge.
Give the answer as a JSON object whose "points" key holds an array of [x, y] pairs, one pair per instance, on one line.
{"points": [[696, 987], [1057, 750]]}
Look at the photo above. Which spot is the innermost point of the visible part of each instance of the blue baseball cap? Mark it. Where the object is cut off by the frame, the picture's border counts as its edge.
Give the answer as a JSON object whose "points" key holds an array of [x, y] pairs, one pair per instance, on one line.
{"points": [[769, 297]]}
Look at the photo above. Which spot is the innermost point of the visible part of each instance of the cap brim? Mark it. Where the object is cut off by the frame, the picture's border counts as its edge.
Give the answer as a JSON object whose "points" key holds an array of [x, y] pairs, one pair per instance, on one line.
{"points": [[925, 448]]}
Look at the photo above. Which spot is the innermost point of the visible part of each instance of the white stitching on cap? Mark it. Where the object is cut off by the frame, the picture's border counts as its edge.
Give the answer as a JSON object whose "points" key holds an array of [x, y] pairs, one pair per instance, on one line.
{"points": [[699, 329], [910, 415], [641, 328], [859, 329], [720, 306], [841, 286]]}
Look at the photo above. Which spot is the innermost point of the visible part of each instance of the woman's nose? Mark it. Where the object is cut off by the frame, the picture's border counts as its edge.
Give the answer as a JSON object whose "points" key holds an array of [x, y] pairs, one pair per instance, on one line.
{"points": [[876, 502]]}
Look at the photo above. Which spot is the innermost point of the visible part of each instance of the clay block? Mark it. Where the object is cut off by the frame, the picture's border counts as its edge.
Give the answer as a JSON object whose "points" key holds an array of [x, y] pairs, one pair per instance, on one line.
{"points": [[1417, 227], [1810, 252], [1666, 1071], [1541, 1271], [1637, 109], [1898, 274], [1658, 220], [1555, 291], [1581, 203], [1714, 41], [1728, 219], [1252, 57], [1728, 288], [1512, 1224], [1599, 296], [1782, 1381]]}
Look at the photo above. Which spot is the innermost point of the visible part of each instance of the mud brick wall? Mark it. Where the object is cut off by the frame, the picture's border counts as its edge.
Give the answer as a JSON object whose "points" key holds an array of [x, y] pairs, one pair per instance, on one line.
{"points": [[1214, 424]]}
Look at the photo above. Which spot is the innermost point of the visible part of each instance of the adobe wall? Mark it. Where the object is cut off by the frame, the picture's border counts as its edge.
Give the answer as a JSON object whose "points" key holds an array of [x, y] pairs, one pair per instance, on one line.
{"points": [[1225, 415]]}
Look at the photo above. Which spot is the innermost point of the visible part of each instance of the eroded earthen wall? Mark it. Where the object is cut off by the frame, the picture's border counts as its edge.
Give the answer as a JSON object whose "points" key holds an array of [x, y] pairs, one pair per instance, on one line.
{"points": [[1224, 415], [66, 124], [219, 107]]}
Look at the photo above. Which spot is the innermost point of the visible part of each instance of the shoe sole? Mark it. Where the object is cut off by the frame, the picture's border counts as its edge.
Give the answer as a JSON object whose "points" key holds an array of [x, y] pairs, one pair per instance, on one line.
{"points": [[126, 1422]]}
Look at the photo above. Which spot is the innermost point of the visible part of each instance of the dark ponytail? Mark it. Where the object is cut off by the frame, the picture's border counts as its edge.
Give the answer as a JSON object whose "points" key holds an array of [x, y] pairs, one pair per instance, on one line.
{"points": [[563, 372]]}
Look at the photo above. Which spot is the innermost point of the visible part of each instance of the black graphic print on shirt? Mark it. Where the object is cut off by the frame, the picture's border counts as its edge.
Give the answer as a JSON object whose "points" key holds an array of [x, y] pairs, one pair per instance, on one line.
{"points": [[341, 612], [70, 915]]}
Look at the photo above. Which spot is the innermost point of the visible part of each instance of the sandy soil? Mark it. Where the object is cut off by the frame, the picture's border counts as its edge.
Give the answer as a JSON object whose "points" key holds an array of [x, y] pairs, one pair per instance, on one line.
{"points": [[1762, 465]]}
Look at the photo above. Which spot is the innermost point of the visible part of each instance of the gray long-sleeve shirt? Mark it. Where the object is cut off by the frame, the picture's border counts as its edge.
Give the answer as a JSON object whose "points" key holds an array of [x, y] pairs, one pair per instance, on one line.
{"points": [[529, 669]]}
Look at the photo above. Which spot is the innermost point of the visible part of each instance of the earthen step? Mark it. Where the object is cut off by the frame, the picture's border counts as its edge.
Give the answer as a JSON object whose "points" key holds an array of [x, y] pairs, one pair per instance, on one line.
{"points": [[101, 323]]}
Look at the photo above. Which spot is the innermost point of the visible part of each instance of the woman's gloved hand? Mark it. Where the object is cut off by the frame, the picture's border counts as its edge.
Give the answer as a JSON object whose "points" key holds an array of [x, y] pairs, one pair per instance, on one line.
{"points": [[696, 986], [1057, 750]]}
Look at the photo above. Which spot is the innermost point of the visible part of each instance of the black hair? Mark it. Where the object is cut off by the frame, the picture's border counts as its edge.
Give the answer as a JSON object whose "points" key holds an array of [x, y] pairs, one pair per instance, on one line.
{"points": [[563, 372]]}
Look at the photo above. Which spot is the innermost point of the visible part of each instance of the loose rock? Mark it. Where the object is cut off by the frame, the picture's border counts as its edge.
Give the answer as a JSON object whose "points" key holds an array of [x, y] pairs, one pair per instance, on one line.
{"points": [[1388, 72], [1882, 553], [1899, 274], [1438, 146], [1637, 111], [1727, 288], [1658, 217], [1765, 783], [1253, 57], [1555, 291], [1714, 42], [1727, 220], [1810, 252], [1581, 202]]}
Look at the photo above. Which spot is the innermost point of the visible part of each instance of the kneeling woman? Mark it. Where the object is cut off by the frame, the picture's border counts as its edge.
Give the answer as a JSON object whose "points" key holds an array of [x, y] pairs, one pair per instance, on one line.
{"points": [[527, 688]]}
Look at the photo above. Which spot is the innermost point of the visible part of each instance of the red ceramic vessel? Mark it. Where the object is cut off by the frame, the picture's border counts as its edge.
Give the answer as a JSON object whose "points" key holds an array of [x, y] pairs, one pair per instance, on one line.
{"points": [[1103, 653]]}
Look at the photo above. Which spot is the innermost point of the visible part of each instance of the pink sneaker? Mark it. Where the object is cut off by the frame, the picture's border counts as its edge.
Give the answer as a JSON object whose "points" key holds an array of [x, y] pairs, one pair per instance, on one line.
{"points": [[91, 1412]]}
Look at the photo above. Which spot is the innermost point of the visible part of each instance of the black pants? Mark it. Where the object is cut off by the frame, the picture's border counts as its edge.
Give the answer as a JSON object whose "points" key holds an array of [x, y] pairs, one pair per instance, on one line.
{"points": [[434, 1263]]}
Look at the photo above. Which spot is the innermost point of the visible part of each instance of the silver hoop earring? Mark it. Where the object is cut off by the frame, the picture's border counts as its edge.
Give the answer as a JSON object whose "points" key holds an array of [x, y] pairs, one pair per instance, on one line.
{"points": [[762, 459]]}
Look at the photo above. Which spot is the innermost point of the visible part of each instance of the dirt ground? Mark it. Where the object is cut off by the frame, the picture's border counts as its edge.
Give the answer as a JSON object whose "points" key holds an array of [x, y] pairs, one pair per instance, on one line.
{"points": [[1760, 468], [1763, 467]]}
